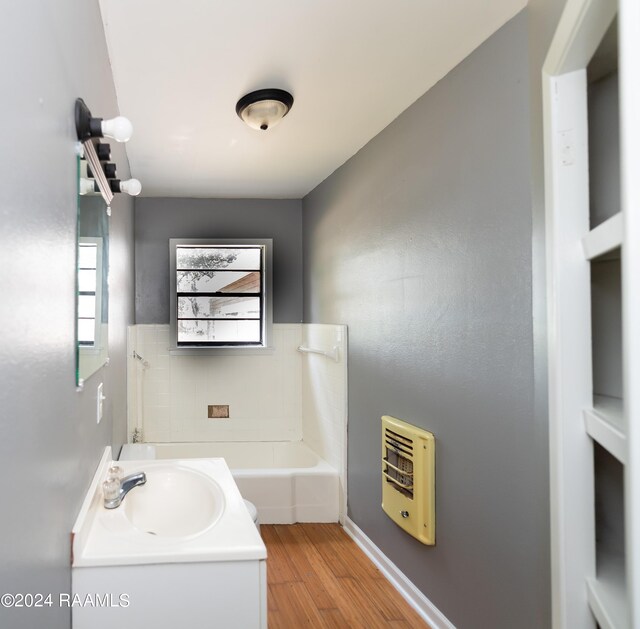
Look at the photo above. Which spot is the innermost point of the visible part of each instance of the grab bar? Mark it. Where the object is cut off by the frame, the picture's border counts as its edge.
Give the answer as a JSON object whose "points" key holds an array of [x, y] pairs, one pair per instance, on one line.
{"points": [[332, 353], [138, 357]]}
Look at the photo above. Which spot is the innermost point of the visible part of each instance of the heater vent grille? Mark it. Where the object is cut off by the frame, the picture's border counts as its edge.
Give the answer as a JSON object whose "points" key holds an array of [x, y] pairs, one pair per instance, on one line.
{"points": [[408, 471], [398, 462]]}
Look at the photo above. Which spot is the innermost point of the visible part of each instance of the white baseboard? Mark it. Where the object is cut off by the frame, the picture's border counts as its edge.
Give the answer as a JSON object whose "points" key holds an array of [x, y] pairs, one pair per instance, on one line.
{"points": [[427, 610]]}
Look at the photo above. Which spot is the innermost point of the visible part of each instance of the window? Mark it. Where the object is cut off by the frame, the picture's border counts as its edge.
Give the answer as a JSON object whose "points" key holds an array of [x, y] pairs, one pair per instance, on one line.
{"points": [[89, 291], [220, 293]]}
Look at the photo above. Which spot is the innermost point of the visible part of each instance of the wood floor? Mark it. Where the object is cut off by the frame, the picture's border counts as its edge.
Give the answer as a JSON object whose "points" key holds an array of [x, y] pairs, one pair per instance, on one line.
{"points": [[318, 577]]}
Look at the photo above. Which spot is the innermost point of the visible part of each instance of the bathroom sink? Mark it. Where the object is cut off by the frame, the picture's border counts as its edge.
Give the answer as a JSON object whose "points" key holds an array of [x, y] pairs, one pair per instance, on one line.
{"points": [[189, 510], [175, 502]]}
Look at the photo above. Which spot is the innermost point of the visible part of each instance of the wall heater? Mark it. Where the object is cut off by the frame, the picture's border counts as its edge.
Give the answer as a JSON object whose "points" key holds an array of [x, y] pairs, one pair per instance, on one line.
{"points": [[408, 478]]}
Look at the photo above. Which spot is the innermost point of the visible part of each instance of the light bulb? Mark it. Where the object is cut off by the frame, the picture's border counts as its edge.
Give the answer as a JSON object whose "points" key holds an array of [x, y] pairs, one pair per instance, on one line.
{"points": [[131, 186], [87, 186], [118, 128], [264, 114]]}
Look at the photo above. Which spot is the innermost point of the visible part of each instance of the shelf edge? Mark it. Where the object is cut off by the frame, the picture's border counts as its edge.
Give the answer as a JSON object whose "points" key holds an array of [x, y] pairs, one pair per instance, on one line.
{"points": [[608, 435], [604, 238], [598, 606]]}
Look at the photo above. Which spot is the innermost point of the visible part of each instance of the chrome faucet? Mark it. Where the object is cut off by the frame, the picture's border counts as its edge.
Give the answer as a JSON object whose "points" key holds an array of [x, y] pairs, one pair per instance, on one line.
{"points": [[126, 485]]}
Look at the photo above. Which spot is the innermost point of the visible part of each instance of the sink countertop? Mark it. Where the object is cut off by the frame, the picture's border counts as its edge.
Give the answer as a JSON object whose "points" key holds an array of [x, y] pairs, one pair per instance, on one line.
{"points": [[105, 537]]}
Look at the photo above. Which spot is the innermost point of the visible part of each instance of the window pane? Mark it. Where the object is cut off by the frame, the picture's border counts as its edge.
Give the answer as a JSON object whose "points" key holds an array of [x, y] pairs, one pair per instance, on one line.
{"points": [[87, 281], [218, 282], [86, 306], [218, 258], [87, 256], [218, 307], [86, 331], [204, 331]]}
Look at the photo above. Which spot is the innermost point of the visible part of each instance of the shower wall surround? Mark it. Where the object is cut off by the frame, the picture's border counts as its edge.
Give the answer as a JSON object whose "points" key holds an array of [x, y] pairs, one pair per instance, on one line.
{"points": [[263, 391], [324, 393], [278, 395]]}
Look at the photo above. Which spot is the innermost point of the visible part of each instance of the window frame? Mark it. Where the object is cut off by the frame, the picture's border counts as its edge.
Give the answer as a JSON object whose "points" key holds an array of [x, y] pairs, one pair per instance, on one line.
{"points": [[96, 346], [266, 321]]}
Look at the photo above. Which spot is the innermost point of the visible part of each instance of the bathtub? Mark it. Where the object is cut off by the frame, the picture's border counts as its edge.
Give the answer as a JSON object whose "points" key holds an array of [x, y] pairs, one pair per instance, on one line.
{"points": [[286, 481]]}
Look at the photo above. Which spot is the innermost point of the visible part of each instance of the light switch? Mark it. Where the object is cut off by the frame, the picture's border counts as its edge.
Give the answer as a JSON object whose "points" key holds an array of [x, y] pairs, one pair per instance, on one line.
{"points": [[100, 398]]}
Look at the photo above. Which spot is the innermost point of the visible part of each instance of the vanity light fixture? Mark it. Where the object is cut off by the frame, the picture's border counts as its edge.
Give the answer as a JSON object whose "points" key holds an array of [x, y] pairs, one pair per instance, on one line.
{"points": [[132, 187], [264, 109], [109, 170], [118, 128], [103, 151], [88, 186], [101, 176]]}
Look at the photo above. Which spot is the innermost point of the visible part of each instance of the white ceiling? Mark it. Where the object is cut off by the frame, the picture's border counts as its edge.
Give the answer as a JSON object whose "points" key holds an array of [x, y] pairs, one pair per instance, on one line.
{"points": [[352, 66]]}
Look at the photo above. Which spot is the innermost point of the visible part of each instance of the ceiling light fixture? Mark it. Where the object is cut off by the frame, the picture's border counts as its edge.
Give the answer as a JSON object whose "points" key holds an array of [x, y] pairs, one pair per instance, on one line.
{"points": [[264, 109]]}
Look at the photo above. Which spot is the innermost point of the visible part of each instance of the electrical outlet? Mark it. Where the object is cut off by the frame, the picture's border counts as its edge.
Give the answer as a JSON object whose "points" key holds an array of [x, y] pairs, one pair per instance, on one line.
{"points": [[100, 398]]}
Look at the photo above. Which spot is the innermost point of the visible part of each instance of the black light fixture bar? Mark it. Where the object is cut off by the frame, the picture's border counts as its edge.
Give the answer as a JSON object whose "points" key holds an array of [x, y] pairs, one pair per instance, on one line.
{"points": [[96, 167]]}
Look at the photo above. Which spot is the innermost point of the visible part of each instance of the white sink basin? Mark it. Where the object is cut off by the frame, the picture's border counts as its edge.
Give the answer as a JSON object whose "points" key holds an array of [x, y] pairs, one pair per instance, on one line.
{"points": [[189, 510], [175, 502]]}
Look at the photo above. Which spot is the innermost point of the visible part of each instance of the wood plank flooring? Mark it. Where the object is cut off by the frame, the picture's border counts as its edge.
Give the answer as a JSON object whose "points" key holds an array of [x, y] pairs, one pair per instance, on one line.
{"points": [[318, 577]]}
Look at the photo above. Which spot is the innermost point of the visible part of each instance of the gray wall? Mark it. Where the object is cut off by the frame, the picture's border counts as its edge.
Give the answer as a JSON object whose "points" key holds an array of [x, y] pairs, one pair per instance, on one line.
{"points": [[422, 245], [49, 441], [604, 149], [158, 219], [542, 17]]}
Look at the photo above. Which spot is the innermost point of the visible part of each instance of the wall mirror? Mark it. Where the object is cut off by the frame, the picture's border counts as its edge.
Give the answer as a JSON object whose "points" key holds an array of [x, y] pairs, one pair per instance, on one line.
{"points": [[92, 295]]}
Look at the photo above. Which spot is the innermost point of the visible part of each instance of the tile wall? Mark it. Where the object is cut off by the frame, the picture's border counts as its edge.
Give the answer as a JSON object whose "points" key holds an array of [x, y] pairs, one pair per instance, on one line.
{"points": [[263, 391]]}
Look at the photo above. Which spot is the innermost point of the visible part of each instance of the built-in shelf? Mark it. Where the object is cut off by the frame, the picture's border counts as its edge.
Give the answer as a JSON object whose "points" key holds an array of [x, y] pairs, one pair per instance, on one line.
{"points": [[604, 238], [607, 593], [605, 60], [605, 423], [595, 507]]}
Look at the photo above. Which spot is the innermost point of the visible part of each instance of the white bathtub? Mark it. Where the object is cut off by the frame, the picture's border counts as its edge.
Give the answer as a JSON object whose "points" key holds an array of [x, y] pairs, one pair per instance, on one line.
{"points": [[286, 481]]}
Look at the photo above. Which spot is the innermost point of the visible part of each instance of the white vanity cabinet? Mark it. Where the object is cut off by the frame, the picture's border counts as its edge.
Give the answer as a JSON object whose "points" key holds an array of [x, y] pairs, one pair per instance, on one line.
{"points": [[180, 551], [229, 594]]}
